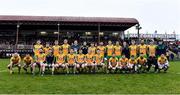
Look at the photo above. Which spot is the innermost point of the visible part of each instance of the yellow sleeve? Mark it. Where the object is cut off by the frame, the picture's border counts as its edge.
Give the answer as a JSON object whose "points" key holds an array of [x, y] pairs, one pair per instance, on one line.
{"points": [[159, 59], [116, 59], [129, 60], [19, 59], [24, 59], [32, 59], [110, 59], [146, 59], [11, 58]]}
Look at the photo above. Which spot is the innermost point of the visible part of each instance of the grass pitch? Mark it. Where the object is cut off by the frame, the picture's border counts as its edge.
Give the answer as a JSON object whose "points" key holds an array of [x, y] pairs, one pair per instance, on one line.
{"points": [[161, 83]]}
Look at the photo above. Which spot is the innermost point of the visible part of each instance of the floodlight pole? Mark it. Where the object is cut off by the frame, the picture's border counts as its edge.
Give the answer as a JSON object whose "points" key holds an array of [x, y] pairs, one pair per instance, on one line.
{"points": [[58, 30], [99, 29], [138, 27], [17, 34]]}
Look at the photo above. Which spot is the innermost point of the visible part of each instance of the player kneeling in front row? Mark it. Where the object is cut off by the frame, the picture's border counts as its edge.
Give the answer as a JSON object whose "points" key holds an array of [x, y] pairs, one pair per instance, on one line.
{"points": [[28, 62], [98, 59], [113, 63], [39, 61], [89, 65], [163, 63], [142, 64], [80, 61], [60, 61], [132, 64], [49, 62], [15, 62], [71, 62], [122, 64]]}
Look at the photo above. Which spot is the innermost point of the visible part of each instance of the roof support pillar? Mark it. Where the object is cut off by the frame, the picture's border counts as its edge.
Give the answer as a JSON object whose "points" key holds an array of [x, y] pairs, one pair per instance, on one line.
{"points": [[99, 30], [17, 35], [138, 27], [58, 31]]}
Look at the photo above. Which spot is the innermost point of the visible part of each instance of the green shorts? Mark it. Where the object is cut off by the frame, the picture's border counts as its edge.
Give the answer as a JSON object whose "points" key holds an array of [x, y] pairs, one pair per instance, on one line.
{"points": [[145, 56], [108, 57], [118, 57]]}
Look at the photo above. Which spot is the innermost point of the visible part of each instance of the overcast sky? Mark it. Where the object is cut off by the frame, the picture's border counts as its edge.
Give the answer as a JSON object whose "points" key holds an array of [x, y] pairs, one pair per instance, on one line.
{"points": [[160, 15]]}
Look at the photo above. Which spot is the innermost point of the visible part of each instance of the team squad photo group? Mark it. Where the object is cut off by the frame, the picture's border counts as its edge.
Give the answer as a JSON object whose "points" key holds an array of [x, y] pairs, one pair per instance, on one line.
{"points": [[96, 58]]}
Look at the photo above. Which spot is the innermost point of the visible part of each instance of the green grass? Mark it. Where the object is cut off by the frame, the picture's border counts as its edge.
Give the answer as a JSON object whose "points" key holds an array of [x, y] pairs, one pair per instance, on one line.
{"points": [[162, 83]]}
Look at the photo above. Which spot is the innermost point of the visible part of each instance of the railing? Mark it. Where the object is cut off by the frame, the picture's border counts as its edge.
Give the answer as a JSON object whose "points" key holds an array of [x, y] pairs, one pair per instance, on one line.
{"points": [[12, 47], [8, 50]]}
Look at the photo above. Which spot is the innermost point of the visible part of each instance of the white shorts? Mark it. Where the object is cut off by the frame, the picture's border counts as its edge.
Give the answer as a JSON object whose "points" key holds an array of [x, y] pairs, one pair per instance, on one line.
{"points": [[112, 67], [122, 66], [39, 64], [88, 64], [129, 65], [48, 65], [163, 65], [99, 64], [70, 65], [59, 65]]}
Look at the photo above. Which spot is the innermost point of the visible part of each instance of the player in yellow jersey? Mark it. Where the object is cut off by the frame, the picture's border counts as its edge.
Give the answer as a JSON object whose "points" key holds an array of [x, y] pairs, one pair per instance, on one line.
{"points": [[28, 62], [92, 48], [60, 60], [39, 61], [143, 49], [118, 50], [122, 64], [15, 61], [132, 64], [133, 49], [101, 49], [113, 63], [152, 60], [65, 47], [109, 49], [163, 63], [142, 63], [152, 49], [71, 62], [98, 61], [37, 47], [80, 61], [56, 48], [89, 61], [47, 48]]}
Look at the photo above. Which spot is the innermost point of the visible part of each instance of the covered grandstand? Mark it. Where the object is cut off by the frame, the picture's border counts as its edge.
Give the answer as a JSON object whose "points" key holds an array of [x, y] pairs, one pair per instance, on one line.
{"points": [[20, 32]]}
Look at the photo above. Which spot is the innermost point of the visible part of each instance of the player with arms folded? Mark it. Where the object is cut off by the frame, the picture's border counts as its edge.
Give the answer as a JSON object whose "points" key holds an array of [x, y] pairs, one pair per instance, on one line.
{"points": [[39, 61], [122, 64], [80, 61], [113, 63], [89, 59], [60, 60], [142, 63], [71, 62], [133, 49], [98, 61], [132, 64]]}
